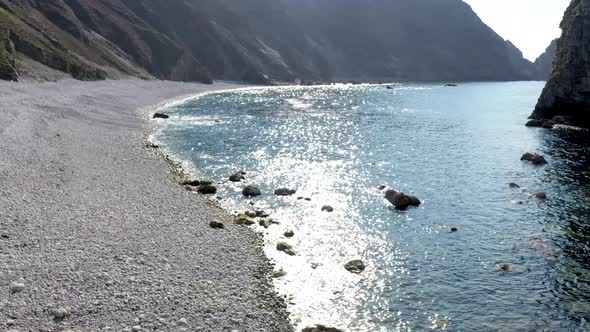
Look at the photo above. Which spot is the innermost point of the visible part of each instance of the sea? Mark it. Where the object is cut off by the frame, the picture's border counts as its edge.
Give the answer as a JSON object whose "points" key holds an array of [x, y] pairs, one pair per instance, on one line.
{"points": [[477, 255]]}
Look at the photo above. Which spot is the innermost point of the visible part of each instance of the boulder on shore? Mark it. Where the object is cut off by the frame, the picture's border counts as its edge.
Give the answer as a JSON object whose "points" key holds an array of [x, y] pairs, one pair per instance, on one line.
{"points": [[400, 200], [356, 266], [535, 159], [192, 183], [207, 189], [285, 192], [243, 219], [161, 116], [251, 191], [216, 224]]}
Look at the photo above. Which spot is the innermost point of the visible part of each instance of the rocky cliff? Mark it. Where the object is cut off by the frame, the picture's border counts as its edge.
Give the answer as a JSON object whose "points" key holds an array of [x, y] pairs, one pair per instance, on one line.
{"points": [[257, 40], [566, 96], [544, 63]]}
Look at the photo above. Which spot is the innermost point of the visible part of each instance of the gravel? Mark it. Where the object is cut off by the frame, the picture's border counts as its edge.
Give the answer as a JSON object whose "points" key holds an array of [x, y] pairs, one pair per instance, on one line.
{"points": [[99, 235]]}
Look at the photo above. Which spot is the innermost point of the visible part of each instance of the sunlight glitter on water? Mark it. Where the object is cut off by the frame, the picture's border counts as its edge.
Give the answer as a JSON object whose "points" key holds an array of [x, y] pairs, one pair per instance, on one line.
{"points": [[336, 144]]}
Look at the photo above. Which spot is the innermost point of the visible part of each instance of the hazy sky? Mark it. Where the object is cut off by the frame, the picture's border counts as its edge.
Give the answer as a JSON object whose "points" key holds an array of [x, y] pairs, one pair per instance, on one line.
{"points": [[528, 24]]}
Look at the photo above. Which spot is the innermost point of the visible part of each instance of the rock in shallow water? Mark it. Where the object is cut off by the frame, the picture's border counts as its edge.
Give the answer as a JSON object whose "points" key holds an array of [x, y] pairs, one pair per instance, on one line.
{"points": [[251, 191], [400, 200], [289, 233], [161, 116], [535, 159], [356, 266], [286, 248], [285, 192], [327, 208], [321, 328], [237, 177]]}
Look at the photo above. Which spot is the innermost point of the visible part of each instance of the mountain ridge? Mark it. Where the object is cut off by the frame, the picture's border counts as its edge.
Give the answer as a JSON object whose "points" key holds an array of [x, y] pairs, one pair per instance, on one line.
{"points": [[258, 41]]}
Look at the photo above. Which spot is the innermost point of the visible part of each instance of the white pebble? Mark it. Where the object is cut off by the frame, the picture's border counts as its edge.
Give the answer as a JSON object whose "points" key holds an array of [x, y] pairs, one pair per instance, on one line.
{"points": [[17, 287], [60, 312]]}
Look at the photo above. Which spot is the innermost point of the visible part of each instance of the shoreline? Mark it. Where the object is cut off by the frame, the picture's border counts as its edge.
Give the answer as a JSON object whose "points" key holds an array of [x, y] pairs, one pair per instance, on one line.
{"points": [[97, 231]]}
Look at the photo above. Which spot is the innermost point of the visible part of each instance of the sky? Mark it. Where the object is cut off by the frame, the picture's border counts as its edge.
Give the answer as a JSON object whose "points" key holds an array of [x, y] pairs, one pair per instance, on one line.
{"points": [[529, 24]]}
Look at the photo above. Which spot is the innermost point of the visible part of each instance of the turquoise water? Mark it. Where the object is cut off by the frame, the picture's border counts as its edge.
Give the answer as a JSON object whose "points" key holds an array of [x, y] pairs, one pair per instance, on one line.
{"points": [[456, 149]]}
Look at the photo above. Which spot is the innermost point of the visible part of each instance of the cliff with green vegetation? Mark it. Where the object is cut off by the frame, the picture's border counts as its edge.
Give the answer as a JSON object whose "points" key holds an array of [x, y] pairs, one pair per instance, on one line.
{"points": [[566, 96], [257, 41]]}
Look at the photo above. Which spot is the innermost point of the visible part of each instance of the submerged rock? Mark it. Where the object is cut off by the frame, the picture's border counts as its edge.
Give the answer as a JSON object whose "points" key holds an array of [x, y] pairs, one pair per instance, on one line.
{"points": [[161, 116], [454, 229], [505, 267], [400, 200], [327, 208], [286, 248], [285, 192], [535, 159], [216, 224], [237, 177], [251, 191], [207, 189], [540, 195], [513, 185], [356, 266]]}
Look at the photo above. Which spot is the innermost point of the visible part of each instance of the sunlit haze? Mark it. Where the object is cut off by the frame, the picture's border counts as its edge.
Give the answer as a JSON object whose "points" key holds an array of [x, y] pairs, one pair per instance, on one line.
{"points": [[528, 24]]}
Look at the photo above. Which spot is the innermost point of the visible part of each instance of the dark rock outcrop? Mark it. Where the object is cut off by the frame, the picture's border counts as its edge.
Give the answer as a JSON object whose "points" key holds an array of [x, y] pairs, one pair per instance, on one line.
{"points": [[567, 93], [262, 41]]}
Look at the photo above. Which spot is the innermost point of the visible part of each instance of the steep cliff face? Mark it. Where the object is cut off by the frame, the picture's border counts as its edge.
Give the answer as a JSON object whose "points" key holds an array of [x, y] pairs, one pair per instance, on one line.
{"points": [[262, 40], [543, 64], [566, 97]]}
